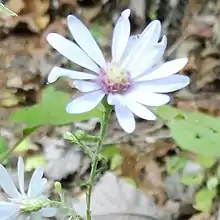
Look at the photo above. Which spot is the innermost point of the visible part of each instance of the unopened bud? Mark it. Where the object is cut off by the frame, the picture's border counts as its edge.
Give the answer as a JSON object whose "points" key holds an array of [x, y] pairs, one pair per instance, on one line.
{"points": [[58, 187]]}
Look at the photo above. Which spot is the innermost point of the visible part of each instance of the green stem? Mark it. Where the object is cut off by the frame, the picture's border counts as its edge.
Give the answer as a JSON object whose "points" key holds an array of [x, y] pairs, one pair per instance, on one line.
{"points": [[70, 212], [87, 150], [10, 151], [96, 157]]}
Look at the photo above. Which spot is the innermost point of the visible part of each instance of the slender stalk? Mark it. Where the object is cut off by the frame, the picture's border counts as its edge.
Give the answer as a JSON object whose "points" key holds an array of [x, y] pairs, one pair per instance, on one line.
{"points": [[95, 159], [11, 150]]}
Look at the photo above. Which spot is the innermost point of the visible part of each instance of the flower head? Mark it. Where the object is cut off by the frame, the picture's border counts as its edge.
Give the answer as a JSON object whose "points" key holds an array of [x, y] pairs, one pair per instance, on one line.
{"points": [[21, 205], [130, 81]]}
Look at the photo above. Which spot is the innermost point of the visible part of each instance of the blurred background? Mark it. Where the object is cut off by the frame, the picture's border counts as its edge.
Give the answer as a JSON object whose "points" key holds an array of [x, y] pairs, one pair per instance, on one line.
{"points": [[141, 159]]}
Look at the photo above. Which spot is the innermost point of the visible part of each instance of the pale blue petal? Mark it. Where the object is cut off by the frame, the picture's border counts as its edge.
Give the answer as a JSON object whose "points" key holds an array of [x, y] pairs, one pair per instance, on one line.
{"points": [[149, 98], [125, 118], [140, 110], [86, 86], [8, 210], [121, 35], [48, 212], [166, 85], [85, 40], [57, 72], [131, 42], [85, 103], [7, 184], [35, 216], [167, 69], [37, 183], [147, 59], [148, 38], [20, 173], [71, 51]]}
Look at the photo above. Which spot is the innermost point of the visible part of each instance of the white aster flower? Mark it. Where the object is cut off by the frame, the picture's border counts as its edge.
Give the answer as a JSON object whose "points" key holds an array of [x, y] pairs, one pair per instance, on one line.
{"points": [[130, 81], [21, 205]]}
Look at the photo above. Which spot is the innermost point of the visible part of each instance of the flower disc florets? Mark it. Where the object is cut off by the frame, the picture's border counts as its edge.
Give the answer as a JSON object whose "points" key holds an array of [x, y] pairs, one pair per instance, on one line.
{"points": [[114, 80]]}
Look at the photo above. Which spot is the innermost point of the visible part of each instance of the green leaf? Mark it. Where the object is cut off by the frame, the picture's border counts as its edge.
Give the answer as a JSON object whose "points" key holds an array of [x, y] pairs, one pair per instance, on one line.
{"points": [[212, 183], [195, 137], [193, 131], [3, 145], [22, 144], [110, 151], [6, 11], [203, 199], [35, 161], [192, 179], [167, 112], [51, 110], [205, 161], [175, 164], [129, 181], [116, 161]]}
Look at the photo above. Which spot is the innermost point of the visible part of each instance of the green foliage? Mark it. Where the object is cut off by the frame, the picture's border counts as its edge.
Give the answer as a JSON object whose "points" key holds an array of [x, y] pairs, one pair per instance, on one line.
{"points": [[200, 134], [193, 131], [23, 146], [206, 162], [176, 164], [116, 161], [130, 181], [212, 183], [204, 198], [35, 161], [6, 11], [110, 151], [3, 145], [51, 110], [192, 179]]}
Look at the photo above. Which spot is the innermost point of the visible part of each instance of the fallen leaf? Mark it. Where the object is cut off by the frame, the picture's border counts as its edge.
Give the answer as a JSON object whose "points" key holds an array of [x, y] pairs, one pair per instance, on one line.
{"points": [[120, 201], [15, 7], [57, 154], [199, 25], [201, 216]]}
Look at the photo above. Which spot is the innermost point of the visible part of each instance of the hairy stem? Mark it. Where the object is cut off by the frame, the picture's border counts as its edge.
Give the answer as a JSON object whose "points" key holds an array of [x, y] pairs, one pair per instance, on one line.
{"points": [[95, 159]]}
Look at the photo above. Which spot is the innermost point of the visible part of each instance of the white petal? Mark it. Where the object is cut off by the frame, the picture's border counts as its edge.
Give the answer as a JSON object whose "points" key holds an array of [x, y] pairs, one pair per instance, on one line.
{"points": [[149, 37], [85, 86], [8, 210], [57, 72], [20, 174], [85, 102], [71, 51], [140, 110], [149, 98], [37, 183], [147, 59], [34, 216], [7, 183], [114, 99], [167, 69], [131, 42], [121, 35], [85, 40], [168, 84], [48, 212], [125, 118]]}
